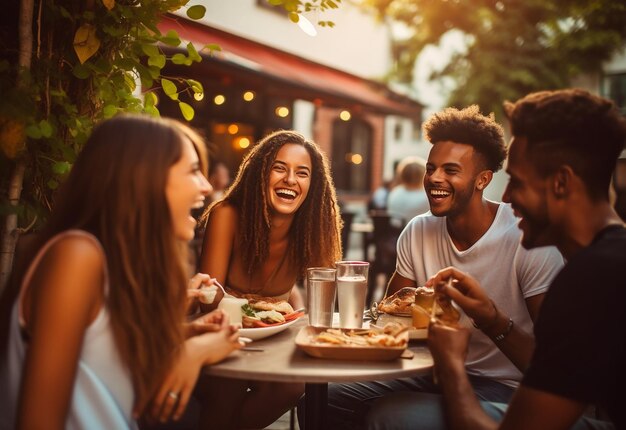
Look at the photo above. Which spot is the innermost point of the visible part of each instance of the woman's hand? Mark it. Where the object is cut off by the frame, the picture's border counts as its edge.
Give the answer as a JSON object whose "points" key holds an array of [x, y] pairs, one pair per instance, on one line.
{"points": [[467, 293], [218, 340], [173, 395], [202, 290], [214, 346], [206, 323]]}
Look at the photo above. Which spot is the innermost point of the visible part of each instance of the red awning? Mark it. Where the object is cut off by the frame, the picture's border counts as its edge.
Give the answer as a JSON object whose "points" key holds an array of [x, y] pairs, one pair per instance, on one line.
{"points": [[304, 78]]}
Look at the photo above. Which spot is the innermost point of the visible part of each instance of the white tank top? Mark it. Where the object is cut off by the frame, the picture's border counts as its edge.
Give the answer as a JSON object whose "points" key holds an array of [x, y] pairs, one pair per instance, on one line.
{"points": [[103, 395]]}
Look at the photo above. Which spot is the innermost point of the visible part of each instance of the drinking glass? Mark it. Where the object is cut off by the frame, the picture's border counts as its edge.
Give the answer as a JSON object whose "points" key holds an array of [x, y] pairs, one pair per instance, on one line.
{"points": [[321, 293], [351, 292]]}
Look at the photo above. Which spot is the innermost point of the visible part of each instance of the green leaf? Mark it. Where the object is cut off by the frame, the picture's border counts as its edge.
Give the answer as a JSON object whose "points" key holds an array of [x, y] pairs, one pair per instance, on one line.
{"points": [[61, 167], [193, 54], [150, 50], [152, 110], [179, 58], [171, 38], [196, 86], [155, 72], [80, 71], [157, 61], [212, 47], [125, 64], [109, 111], [45, 127], [149, 99], [186, 110], [33, 131], [52, 184], [196, 12], [169, 88]]}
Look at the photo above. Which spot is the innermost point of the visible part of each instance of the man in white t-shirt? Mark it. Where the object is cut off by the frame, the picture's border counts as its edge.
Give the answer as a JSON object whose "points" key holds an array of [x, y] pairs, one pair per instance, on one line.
{"points": [[478, 236]]}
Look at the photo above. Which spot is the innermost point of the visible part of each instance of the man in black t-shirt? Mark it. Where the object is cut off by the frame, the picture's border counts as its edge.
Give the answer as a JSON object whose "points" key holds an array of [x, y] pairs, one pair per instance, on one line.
{"points": [[564, 148]]}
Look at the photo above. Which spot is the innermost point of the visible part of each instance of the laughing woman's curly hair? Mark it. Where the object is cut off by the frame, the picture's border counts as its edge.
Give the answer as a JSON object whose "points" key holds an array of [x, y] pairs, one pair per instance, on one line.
{"points": [[314, 237]]}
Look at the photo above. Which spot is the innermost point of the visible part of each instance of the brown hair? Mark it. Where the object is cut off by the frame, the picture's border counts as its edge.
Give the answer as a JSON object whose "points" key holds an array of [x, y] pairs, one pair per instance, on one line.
{"points": [[314, 237], [470, 127], [116, 191], [572, 127], [411, 170]]}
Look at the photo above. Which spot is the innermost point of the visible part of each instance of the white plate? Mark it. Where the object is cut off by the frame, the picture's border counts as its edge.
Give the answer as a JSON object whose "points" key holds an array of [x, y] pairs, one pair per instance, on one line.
{"points": [[263, 332]]}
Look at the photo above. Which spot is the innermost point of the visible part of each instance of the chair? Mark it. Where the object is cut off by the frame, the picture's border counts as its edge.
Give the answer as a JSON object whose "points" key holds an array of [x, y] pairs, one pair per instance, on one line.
{"points": [[347, 218], [387, 229]]}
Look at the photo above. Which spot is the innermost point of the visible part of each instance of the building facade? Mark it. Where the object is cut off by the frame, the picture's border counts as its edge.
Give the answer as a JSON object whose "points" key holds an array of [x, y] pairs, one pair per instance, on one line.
{"points": [[270, 74]]}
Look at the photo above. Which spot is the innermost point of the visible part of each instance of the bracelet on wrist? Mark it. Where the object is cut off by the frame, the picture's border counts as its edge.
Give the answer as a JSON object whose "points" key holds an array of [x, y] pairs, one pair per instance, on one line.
{"points": [[491, 323], [507, 330]]}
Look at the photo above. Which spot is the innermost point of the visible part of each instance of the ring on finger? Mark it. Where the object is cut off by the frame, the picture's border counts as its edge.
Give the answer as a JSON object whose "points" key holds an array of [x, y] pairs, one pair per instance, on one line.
{"points": [[172, 395]]}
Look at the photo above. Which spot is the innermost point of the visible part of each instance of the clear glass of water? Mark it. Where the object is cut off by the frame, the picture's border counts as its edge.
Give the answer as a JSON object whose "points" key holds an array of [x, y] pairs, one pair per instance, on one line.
{"points": [[321, 292], [351, 292]]}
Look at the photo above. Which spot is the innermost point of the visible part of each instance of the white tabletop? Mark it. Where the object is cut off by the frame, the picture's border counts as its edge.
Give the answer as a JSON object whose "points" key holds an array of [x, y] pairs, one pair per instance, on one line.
{"points": [[281, 361]]}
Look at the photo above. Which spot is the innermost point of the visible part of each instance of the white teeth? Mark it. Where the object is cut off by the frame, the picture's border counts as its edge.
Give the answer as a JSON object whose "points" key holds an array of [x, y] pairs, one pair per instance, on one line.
{"points": [[291, 193], [198, 204], [439, 193]]}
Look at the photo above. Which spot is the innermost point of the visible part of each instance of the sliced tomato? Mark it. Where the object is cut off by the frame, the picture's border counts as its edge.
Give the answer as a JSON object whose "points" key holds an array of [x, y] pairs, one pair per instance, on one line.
{"points": [[293, 316]]}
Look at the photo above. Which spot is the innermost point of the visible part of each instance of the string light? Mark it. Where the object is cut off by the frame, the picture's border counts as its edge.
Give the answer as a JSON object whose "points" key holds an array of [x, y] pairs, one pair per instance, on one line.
{"points": [[282, 111]]}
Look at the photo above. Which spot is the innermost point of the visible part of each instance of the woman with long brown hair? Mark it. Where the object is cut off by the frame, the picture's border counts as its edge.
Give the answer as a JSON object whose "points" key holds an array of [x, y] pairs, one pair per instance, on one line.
{"points": [[279, 217], [97, 331]]}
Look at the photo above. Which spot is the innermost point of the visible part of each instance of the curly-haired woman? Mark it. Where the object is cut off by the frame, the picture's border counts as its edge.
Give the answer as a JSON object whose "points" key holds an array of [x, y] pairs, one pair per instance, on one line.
{"points": [[279, 217]]}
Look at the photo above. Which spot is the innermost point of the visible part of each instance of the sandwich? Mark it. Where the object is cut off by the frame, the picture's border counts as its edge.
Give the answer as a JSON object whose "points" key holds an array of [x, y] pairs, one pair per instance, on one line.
{"points": [[267, 311], [399, 303], [422, 309]]}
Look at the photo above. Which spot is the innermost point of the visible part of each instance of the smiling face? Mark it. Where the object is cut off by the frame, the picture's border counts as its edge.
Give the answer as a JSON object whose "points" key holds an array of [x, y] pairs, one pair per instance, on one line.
{"points": [[450, 179], [185, 190], [527, 193], [289, 179]]}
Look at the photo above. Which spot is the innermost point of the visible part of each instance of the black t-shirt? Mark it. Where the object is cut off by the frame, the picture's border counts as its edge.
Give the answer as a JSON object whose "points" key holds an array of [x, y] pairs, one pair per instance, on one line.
{"points": [[581, 330]]}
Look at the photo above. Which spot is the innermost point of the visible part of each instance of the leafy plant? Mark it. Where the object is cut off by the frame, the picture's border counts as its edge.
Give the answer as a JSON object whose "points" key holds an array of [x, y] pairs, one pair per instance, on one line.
{"points": [[76, 64], [513, 46]]}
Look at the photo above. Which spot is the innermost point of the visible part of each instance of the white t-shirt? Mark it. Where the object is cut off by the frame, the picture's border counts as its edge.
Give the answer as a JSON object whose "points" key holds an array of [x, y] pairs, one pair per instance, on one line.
{"points": [[506, 271]]}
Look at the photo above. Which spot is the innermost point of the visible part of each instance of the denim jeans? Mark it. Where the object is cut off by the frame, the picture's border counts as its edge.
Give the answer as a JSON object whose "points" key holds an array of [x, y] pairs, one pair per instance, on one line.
{"points": [[348, 404]]}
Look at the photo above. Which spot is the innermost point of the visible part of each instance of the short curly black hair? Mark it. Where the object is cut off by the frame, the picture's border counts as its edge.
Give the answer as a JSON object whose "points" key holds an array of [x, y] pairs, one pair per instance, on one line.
{"points": [[470, 127], [572, 127]]}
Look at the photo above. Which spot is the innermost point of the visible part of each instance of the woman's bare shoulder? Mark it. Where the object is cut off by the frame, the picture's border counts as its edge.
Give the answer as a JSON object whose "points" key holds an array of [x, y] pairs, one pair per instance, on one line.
{"points": [[75, 247], [224, 214]]}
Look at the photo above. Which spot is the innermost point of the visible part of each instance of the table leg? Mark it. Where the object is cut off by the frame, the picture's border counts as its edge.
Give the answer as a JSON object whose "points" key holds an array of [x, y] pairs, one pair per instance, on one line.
{"points": [[315, 403], [366, 245]]}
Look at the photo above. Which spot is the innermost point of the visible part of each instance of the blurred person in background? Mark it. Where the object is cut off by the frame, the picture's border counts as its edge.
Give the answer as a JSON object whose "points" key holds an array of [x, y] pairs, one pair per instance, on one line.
{"points": [[219, 177], [408, 199]]}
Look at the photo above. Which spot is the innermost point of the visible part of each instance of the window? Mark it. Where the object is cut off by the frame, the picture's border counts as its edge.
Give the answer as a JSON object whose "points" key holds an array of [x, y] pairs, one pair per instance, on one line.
{"points": [[614, 87], [397, 131], [351, 155]]}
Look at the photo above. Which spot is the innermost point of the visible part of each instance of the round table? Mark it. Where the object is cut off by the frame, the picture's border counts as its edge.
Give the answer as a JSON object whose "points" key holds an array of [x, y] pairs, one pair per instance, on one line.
{"points": [[278, 359]]}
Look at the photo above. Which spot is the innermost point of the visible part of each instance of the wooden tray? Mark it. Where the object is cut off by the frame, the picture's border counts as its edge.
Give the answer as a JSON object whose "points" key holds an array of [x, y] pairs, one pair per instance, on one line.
{"points": [[345, 352]]}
